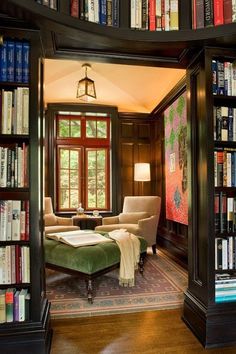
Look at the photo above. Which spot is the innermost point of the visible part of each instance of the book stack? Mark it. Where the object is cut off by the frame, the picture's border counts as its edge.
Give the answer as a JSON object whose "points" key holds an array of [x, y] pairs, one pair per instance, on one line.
{"points": [[225, 255], [154, 15], [225, 288], [207, 13], [14, 111], [224, 123], [14, 166], [225, 213], [14, 264], [52, 4], [14, 61], [14, 220], [103, 12], [225, 167], [224, 77], [14, 305]]}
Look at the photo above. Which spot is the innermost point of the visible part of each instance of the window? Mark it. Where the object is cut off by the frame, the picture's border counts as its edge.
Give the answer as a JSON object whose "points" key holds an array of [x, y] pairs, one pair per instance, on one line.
{"points": [[83, 161]]}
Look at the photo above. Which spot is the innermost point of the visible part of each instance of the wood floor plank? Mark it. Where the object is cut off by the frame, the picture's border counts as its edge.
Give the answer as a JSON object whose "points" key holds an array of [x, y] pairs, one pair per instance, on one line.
{"points": [[152, 332]]}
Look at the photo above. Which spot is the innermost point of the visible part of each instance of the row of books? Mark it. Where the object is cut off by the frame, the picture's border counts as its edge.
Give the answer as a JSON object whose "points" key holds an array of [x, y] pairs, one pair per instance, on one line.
{"points": [[14, 166], [224, 123], [225, 213], [224, 78], [14, 61], [14, 264], [154, 15], [225, 288], [14, 305], [225, 167], [103, 12], [14, 111], [14, 220], [207, 13], [52, 4], [225, 253]]}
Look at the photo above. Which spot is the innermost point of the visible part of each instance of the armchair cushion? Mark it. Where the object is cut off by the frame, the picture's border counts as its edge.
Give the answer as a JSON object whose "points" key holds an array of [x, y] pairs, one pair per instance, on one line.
{"points": [[132, 218]]}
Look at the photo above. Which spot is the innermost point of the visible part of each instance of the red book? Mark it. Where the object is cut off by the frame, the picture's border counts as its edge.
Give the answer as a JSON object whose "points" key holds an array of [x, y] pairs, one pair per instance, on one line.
{"points": [[194, 18], [218, 12], [27, 220], [152, 15], [74, 8], [18, 265], [227, 11]]}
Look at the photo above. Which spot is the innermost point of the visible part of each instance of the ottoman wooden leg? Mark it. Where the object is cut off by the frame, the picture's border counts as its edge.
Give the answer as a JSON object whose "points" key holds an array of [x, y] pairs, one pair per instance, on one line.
{"points": [[141, 264], [90, 291]]}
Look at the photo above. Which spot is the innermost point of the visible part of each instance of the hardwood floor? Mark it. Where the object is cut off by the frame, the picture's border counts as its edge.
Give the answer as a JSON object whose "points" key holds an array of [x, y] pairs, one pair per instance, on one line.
{"points": [[151, 332]]}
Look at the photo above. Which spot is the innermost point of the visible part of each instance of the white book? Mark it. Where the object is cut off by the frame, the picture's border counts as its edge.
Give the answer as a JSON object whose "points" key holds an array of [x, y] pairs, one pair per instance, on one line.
{"points": [[13, 264], [224, 129], [9, 112], [224, 254], [19, 102], [158, 15], [167, 15], [234, 124], [174, 15], [91, 11], [3, 264], [8, 264], [138, 14], [25, 264], [96, 11], [3, 167], [132, 13], [3, 220], [233, 10], [22, 296], [4, 111], [9, 219], [230, 251], [79, 238], [25, 110], [16, 209]]}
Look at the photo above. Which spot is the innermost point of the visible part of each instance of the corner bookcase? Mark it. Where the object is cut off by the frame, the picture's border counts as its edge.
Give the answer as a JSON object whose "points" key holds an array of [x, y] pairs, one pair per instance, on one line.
{"points": [[24, 309], [210, 300]]}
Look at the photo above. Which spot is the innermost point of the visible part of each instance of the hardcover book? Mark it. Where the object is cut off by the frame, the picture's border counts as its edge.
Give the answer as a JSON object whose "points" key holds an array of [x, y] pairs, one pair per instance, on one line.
{"points": [[79, 238]]}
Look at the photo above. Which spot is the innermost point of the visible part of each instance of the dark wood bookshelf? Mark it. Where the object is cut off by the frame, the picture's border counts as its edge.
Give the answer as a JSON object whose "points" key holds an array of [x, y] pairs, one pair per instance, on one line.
{"points": [[34, 334]]}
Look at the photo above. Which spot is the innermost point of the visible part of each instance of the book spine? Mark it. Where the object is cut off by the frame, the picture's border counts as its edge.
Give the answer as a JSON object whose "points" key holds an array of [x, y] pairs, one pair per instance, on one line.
{"points": [[25, 62], [218, 12], [9, 296], [217, 212], [10, 61], [3, 71], [152, 15], [214, 77], [74, 8], [18, 61], [158, 15], [132, 13], [233, 10], [208, 11], [103, 12], [116, 13], [199, 14], [227, 11], [174, 15], [109, 12]]}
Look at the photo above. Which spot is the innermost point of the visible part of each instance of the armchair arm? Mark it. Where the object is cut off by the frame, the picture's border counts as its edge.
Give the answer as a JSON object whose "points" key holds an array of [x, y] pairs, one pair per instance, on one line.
{"points": [[109, 220], [64, 221], [148, 228]]}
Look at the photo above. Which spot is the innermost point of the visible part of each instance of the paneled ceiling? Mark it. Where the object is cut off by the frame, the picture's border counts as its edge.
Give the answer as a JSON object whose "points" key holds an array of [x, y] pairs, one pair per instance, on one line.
{"points": [[130, 88]]}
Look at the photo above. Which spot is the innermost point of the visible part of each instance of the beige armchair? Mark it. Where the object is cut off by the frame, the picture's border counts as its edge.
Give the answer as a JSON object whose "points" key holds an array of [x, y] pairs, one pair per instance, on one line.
{"points": [[55, 223], [140, 216]]}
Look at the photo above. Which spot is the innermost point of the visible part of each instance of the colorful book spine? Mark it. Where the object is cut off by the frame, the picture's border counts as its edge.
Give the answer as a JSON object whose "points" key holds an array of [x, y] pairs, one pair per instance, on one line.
{"points": [[74, 8], [3, 62], [103, 12], [116, 13], [218, 12], [227, 11], [18, 61], [10, 61], [208, 12]]}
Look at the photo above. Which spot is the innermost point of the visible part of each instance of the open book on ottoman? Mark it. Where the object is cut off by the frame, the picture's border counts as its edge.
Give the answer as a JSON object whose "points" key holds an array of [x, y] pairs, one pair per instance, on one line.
{"points": [[79, 238]]}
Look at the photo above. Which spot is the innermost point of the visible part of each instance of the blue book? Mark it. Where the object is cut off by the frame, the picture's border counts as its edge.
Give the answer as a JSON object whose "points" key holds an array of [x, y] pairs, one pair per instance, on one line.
{"points": [[214, 76], [10, 61], [18, 61], [220, 78], [25, 62], [115, 13], [3, 62], [103, 12]]}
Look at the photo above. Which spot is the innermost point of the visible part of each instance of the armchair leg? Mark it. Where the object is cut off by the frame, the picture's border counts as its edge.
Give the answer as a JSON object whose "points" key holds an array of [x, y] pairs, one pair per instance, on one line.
{"points": [[154, 249]]}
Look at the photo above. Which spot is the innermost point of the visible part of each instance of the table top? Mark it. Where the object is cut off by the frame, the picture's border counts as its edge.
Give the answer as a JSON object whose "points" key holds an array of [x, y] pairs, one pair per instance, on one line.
{"points": [[86, 216]]}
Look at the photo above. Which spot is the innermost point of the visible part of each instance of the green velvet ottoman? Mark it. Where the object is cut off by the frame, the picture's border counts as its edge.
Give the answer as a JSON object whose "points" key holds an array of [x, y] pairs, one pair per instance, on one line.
{"points": [[88, 262]]}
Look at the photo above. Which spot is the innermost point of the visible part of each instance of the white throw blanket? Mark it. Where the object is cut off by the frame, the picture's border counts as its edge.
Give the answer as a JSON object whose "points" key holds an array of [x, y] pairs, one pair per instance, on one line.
{"points": [[129, 246]]}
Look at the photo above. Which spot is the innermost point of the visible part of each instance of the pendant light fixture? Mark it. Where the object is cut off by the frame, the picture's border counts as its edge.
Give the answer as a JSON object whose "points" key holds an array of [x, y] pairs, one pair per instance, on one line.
{"points": [[86, 87]]}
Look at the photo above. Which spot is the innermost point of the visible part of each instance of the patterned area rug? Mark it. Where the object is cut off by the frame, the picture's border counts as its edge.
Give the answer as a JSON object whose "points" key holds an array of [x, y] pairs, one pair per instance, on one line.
{"points": [[161, 287]]}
